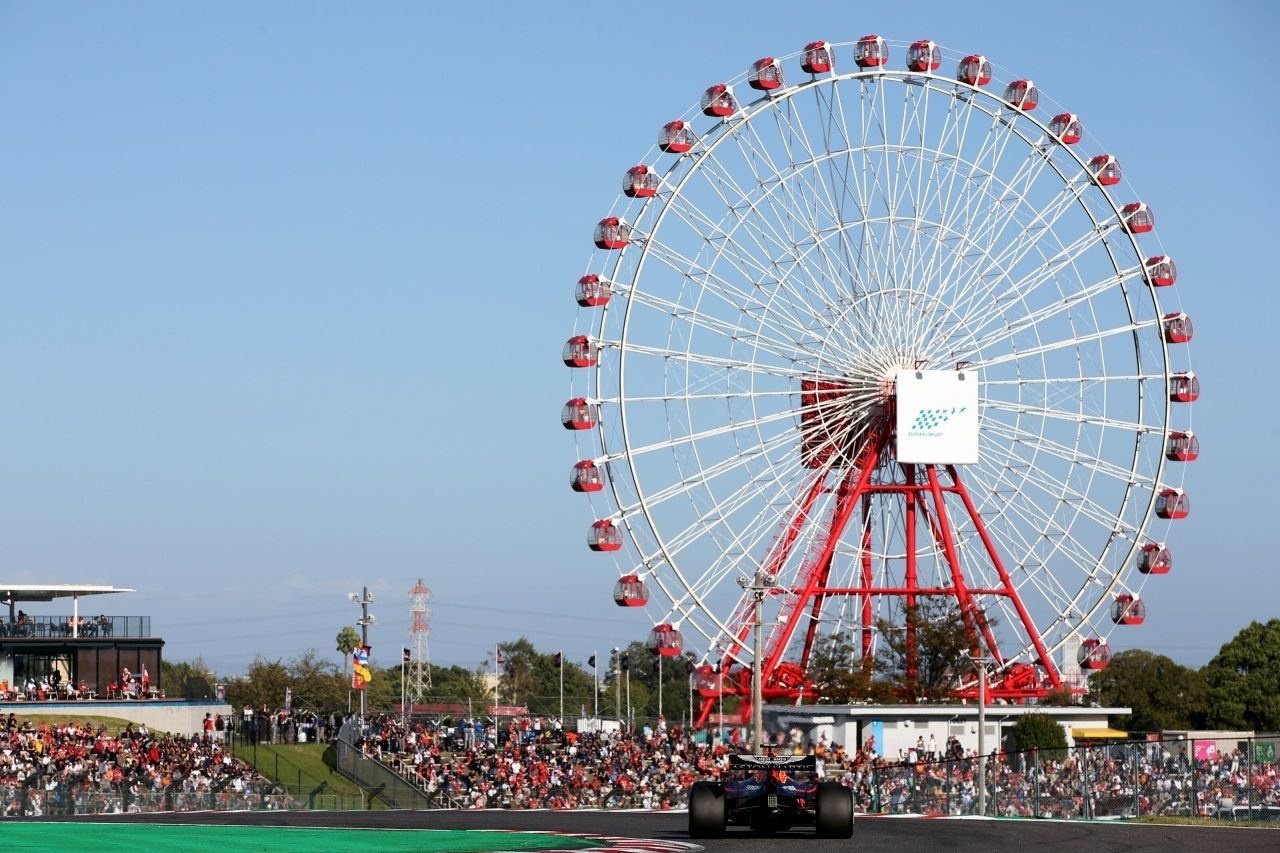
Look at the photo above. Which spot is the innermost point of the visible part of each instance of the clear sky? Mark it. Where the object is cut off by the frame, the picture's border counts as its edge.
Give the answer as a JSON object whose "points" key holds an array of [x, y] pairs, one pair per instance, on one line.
{"points": [[283, 288]]}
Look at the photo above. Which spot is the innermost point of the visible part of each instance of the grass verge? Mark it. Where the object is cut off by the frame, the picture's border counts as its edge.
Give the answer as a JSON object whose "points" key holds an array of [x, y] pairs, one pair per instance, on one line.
{"points": [[1187, 820], [301, 765]]}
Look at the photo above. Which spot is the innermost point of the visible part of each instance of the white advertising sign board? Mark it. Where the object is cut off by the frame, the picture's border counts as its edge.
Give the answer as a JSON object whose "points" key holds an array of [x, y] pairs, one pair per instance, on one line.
{"points": [[937, 417]]}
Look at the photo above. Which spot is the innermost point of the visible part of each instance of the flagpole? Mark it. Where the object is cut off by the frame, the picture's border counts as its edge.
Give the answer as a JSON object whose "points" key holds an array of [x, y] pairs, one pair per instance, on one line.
{"points": [[595, 684], [404, 712], [561, 689]]}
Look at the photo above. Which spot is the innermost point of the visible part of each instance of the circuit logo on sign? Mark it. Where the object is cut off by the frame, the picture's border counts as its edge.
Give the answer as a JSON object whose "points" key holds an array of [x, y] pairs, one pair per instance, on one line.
{"points": [[929, 422]]}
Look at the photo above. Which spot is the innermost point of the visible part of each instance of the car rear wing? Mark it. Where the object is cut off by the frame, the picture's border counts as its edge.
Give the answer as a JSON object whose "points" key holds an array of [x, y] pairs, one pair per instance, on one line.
{"points": [[774, 762]]}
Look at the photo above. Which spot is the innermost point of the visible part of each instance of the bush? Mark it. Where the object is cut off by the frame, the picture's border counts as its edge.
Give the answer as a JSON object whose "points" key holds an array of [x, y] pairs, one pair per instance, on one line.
{"points": [[1040, 732]]}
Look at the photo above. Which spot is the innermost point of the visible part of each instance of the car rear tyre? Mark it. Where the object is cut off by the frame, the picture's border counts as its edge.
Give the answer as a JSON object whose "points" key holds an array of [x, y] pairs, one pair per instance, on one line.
{"points": [[834, 811], [707, 810]]}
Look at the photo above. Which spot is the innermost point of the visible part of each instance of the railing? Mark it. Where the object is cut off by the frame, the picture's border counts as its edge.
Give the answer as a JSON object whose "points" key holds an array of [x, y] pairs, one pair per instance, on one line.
{"points": [[371, 774], [59, 627], [1085, 783], [35, 800], [1121, 780]]}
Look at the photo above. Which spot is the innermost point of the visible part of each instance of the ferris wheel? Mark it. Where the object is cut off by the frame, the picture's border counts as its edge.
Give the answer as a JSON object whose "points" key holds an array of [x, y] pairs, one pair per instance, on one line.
{"points": [[862, 334]]}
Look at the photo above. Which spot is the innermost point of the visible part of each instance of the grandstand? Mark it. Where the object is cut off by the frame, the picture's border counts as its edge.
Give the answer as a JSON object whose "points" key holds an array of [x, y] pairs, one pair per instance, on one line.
{"points": [[72, 660]]}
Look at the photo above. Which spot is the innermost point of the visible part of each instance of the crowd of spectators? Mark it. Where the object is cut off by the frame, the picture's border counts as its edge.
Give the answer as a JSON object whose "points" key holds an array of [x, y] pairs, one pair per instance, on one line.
{"points": [[1123, 779], [72, 768], [533, 763]]}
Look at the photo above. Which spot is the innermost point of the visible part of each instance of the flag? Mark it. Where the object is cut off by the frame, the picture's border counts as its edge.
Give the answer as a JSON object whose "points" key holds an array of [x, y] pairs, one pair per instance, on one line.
{"points": [[558, 657], [497, 651], [360, 673], [591, 661], [624, 663], [408, 655]]}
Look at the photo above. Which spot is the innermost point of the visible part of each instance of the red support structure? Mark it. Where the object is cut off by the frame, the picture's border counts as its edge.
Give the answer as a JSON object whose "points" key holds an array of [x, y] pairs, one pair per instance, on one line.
{"points": [[865, 481]]}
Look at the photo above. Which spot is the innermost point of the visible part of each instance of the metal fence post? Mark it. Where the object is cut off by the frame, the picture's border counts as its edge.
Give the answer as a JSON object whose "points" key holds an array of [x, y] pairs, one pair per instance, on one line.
{"points": [[1035, 790], [1248, 771], [1137, 793]]}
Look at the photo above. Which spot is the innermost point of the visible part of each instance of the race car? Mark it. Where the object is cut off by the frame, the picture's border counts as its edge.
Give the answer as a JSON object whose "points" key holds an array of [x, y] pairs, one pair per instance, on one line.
{"points": [[770, 793]]}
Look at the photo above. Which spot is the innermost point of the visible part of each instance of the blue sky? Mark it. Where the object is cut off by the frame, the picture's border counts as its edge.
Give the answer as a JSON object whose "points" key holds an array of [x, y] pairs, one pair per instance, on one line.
{"points": [[283, 290]]}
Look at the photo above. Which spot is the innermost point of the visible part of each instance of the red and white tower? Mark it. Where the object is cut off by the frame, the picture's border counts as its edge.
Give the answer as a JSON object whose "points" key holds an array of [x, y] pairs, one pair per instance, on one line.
{"points": [[419, 667]]}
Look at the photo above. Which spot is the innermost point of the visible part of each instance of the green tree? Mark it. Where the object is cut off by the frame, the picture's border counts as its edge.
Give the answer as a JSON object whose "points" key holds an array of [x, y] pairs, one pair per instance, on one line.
{"points": [[838, 672], [348, 641], [458, 684], [531, 678], [628, 679], [676, 672], [1162, 694], [1244, 680], [1040, 732], [316, 683], [263, 685], [942, 644], [191, 680]]}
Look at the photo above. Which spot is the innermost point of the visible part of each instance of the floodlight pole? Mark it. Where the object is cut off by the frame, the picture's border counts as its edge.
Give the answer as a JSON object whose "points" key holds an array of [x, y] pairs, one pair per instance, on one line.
{"points": [[758, 586], [364, 599], [981, 663]]}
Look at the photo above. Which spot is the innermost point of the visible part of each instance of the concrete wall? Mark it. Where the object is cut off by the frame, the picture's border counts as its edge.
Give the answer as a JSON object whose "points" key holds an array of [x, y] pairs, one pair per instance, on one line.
{"points": [[165, 715]]}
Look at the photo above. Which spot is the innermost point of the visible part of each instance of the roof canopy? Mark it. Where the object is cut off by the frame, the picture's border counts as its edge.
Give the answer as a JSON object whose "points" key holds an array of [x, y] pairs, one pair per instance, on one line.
{"points": [[1097, 734], [11, 593]]}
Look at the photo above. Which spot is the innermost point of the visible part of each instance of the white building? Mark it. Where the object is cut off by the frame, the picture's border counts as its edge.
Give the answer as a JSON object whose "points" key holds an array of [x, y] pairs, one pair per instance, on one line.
{"points": [[898, 728]]}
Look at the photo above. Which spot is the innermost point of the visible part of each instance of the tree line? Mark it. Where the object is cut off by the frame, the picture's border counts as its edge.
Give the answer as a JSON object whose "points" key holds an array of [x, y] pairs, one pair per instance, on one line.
{"points": [[1239, 689]]}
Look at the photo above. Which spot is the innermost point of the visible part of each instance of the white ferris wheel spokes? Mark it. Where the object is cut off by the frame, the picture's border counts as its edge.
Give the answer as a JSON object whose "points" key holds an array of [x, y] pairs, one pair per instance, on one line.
{"points": [[754, 297]]}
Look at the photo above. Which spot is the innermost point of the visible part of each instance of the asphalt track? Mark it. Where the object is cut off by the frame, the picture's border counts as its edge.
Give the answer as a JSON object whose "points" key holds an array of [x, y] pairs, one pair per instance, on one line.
{"points": [[901, 835]]}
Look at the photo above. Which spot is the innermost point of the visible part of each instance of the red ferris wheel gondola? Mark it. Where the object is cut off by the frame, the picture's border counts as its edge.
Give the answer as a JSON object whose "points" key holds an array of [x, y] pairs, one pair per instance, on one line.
{"points": [[1137, 218], [665, 640], [630, 591], [1182, 446], [586, 476], [676, 137], [1161, 271], [612, 233], [604, 535], [593, 291], [579, 414], [1184, 387], [1022, 95], [765, 74], [1173, 504], [975, 70], [1128, 610], [871, 52], [817, 58], [1105, 170], [924, 55], [718, 101], [640, 182], [1177, 327], [1094, 654], [1066, 128], [580, 351], [1155, 559]]}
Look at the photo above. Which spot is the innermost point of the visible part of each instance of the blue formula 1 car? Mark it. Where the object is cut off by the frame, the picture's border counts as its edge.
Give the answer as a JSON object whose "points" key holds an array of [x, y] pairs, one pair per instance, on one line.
{"points": [[770, 793]]}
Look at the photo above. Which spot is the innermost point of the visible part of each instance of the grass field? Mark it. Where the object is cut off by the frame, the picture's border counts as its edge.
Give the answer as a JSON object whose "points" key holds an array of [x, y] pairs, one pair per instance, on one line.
{"points": [[1205, 821], [127, 838], [300, 765]]}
